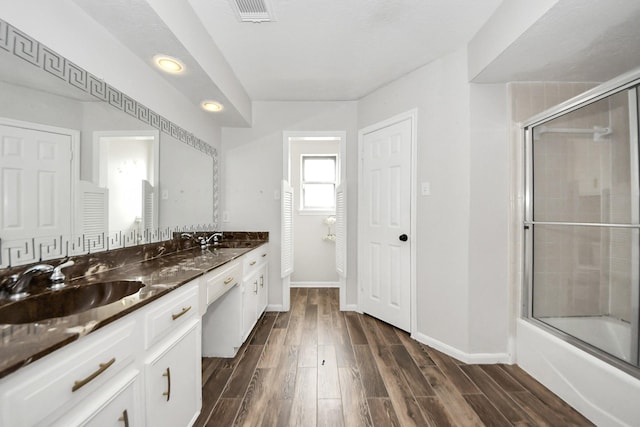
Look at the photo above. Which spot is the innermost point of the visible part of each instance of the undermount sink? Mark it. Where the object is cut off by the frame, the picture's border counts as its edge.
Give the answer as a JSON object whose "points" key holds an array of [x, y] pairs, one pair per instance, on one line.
{"points": [[67, 301]]}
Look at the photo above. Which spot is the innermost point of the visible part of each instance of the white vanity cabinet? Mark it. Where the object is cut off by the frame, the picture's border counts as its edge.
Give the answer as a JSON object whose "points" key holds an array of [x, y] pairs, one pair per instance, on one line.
{"points": [[263, 289], [114, 376], [172, 366], [255, 289], [120, 407], [53, 387], [173, 389], [229, 319], [222, 319]]}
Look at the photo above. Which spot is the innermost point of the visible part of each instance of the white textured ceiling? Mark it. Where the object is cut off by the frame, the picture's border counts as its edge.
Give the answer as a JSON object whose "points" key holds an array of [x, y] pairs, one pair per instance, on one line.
{"points": [[137, 26], [576, 40], [338, 49], [344, 49]]}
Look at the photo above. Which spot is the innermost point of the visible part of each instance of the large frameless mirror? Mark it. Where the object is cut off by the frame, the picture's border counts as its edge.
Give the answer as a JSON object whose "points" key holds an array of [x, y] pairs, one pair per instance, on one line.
{"points": [[86, 168]]}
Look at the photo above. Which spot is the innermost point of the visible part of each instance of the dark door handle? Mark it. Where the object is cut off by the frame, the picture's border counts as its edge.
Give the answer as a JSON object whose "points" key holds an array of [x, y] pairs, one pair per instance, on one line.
{"points": [[403, 237]]}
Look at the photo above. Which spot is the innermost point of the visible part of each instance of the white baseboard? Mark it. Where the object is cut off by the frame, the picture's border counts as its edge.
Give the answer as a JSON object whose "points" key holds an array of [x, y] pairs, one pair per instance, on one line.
{"points": [[274, 307], [315, 284], [349, 307], [469, 358]]}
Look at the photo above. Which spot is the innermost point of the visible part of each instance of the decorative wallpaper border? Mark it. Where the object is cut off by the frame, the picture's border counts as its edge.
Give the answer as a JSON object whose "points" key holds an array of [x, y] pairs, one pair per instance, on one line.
{"points": [[21, 45]]}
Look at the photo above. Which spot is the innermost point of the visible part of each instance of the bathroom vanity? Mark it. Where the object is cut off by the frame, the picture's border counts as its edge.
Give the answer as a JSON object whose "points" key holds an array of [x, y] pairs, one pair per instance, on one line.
{"points": [[137, 360]]}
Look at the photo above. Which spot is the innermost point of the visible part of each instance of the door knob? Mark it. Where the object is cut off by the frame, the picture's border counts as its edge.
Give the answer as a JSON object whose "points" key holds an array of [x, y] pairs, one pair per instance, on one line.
{"points": [[403, 237]]}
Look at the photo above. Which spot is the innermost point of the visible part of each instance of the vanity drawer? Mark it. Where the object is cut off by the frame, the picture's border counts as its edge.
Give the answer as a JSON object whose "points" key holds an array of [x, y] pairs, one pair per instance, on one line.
{"points": [[219, 282], [170, 312], [41, 393], [254, 259]]}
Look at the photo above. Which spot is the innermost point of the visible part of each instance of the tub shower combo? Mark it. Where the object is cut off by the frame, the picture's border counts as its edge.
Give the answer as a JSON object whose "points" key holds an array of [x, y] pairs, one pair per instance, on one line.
{"points": [[582, 222]]}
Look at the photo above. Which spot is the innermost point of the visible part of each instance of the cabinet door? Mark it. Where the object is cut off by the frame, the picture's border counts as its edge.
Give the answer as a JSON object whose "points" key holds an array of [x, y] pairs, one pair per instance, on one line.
{"points": [[250, 304], [120, 411], [115, 404], [263, 290], [173, 382]]}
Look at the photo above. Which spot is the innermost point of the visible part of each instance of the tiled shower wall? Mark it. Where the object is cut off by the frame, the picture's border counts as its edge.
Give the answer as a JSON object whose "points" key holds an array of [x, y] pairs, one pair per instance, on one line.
{"points": [[584, 271]]}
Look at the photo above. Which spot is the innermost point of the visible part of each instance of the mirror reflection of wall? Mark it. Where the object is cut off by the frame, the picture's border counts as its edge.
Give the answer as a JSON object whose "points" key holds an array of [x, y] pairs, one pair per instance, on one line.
{"points": [[175, 190], [127, 168]]}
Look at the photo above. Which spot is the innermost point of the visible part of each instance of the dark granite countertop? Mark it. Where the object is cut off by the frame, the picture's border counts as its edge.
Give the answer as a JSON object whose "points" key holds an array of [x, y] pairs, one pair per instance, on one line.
{"points": [[22, 344]]}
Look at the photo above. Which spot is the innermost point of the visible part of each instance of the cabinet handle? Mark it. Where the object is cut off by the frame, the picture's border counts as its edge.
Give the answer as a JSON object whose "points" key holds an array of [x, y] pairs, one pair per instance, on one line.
{"points": [[77, 385], [124, 418], [252, 263], [184, 310], [229, 280], [264, 255], [255, 287], [168, 392], [261, 281]]}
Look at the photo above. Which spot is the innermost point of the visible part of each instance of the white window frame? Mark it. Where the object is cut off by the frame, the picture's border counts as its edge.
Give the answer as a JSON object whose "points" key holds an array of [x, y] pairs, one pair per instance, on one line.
{"points": [[321, 210]]}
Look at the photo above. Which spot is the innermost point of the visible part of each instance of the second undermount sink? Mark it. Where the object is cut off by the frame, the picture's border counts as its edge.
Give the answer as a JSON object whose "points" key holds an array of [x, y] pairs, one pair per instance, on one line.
{"points": [[67, 301]]}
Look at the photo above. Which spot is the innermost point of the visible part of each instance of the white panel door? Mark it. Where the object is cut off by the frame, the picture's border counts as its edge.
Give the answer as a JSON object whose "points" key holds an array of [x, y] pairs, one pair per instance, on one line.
{"points": [[35, 174], [385, 252]]}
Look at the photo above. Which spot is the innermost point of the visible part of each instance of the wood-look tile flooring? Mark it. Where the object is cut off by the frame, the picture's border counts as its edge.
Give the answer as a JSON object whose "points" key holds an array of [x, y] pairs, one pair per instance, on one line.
{"points": [[317, 366]]}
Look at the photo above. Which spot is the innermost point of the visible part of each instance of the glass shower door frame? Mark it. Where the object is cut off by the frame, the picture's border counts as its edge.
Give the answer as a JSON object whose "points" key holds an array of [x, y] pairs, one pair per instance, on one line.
{"points": [[604, 91], [634, 118]]}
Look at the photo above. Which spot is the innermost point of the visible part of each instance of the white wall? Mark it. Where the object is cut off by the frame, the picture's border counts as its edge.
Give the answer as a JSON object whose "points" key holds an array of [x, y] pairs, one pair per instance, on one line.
{"points": [[457, 295], [251, 163], [489, 292], [314, 259]]}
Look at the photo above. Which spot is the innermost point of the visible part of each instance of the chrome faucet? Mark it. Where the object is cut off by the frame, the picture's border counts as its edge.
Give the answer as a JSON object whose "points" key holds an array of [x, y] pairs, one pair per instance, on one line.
{"points": [[17, 284], [205, 241], [57, 278], [217, 236]]}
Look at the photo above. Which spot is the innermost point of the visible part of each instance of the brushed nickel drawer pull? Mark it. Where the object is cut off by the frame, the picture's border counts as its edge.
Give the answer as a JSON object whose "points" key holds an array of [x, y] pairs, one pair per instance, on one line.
{"points": [[229, 280], [252, 263], [77, 385], [184, 310], [168, 392], [124, 418]]}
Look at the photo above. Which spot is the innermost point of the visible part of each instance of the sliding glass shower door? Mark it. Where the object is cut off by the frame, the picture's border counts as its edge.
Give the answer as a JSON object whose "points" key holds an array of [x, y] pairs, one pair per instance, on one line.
{"points": [[583, 225]]}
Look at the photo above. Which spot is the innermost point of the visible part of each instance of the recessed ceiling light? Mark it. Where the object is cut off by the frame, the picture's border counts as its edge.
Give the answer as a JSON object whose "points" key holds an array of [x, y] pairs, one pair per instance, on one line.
{"points": [[168, 64], [212, 106]]}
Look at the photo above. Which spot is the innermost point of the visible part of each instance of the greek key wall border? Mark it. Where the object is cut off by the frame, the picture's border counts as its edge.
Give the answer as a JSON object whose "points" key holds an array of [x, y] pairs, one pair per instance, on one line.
{"points": [[24, 47]]}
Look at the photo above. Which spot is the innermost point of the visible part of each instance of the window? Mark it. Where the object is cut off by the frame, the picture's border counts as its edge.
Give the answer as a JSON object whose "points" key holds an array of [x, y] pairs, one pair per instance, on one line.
{"points": [[318, 183]]}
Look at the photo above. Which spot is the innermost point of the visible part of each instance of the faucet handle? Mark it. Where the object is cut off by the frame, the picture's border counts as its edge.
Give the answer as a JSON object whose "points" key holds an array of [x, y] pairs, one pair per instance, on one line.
{"points": [[9, 282], [57, 278]]}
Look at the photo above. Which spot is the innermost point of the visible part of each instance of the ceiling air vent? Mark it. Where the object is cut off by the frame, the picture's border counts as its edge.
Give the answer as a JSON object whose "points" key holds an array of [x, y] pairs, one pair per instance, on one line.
{"points": [[253, 10]]}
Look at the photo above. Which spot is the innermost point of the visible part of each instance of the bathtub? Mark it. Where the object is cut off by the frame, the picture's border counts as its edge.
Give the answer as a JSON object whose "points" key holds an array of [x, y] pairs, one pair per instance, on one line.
{"points": [[604, 332], [603, 393]]}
